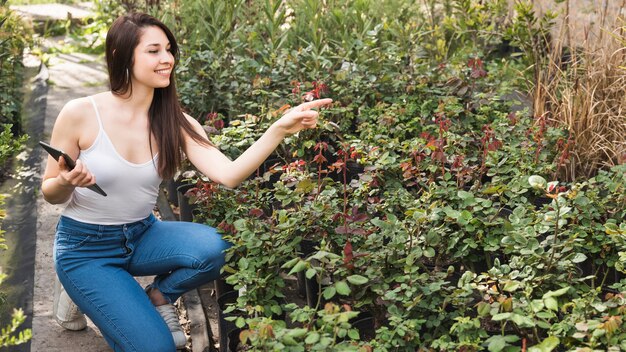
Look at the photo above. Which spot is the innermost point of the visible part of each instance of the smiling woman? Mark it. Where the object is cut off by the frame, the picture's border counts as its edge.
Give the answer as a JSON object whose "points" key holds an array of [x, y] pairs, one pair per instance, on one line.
{"points": [[129, 139]]}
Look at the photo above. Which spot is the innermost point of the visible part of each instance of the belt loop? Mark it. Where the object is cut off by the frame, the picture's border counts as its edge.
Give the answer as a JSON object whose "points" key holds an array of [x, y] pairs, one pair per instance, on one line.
{"points": [[100, 230]]}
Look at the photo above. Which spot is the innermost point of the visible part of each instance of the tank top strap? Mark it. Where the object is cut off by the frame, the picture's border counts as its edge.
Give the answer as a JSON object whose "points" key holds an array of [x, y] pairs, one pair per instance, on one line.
{"points": [[95, 107]]}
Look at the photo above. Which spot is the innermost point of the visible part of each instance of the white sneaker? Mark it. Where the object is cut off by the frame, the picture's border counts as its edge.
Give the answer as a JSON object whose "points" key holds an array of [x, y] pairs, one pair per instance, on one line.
{"points": [[170, 315], [65, 311]]}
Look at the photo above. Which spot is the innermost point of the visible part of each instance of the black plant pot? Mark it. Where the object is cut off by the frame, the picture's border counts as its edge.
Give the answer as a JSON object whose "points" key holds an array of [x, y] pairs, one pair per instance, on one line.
{"points": [[505, 213], [232, 339], [221, 287], [267, 166], [312, 288], [353, 170], [539, 202], [301, 284], [307, 247], [185, 208], [172, 193], [365, 324], [225, 326]]}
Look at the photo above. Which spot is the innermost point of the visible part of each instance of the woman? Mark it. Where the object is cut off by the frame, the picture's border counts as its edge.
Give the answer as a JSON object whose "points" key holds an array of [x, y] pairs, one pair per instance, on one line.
{"points": [[128, 140]]}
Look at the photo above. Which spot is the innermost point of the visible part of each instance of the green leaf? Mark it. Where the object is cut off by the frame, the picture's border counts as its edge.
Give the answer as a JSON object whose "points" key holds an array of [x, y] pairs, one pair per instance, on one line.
{"points": [[310, 273], [298, 267], [297, 333], [312, 338], [551, 303], [483, 308], [511, 286], [429, 252], [290, 263], [557, 293], [496, 344], [357, 279], [522, 321], [611, 228], [464, 195], [329, 292], [342, 288], [501, 316], [579, 258], [546, 345], [354, 334], [452, 213]]}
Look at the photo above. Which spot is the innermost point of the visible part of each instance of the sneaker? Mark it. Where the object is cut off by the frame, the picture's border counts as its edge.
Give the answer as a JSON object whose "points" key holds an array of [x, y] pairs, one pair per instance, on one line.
{"points": [[170, 315], [65, 311]]}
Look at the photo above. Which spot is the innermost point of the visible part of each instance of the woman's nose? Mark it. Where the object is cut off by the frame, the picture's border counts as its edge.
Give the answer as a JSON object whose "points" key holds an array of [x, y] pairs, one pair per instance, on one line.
{"points": [[167, 57]]}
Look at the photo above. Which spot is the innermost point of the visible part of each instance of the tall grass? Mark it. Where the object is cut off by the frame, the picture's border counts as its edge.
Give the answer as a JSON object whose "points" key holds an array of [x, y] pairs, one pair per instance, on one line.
{"points": [[582, 88]]}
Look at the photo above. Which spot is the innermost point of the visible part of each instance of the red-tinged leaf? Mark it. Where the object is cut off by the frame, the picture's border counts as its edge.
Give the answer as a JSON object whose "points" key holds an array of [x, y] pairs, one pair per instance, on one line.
{"points": [[347, 253], [256, 212], [358, 231], [337, 216], [360, 217], [342, 230], [319, 158]]}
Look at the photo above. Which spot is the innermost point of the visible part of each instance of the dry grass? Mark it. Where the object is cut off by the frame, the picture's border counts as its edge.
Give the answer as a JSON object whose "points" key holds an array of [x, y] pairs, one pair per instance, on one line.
{"points": [[586, 93]]}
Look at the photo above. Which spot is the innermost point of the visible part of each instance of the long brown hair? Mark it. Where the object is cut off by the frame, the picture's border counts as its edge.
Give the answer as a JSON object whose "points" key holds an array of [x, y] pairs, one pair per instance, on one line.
{"points": [[165, 117]]}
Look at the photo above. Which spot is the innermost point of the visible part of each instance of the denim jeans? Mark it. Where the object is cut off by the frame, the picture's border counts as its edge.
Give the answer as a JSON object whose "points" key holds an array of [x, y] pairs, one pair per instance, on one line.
{"points": [[96, 265]]}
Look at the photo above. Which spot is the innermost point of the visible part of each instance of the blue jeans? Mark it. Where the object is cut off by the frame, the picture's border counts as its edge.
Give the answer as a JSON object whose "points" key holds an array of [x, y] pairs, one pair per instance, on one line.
{"points": [[96, 265]]}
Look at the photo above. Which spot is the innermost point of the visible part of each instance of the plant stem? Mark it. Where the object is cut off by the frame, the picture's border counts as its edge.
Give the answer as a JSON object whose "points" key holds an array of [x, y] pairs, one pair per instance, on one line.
{"points": [[556, 233]]}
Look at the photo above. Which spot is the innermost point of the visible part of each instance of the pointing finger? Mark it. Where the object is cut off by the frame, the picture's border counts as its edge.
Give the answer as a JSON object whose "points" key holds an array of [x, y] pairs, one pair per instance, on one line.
{"points": [[316, 103]]}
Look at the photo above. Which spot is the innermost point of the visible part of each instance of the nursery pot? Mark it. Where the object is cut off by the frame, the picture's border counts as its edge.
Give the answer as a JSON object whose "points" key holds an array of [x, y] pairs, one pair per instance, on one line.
{"points": [[353, 170], [365, 324], [505, 212], [186, 209], [539, 202], [225, 326], [221, 287], [312, 288], [307, 247], [232, 339], [267, 166], [172, 193]]}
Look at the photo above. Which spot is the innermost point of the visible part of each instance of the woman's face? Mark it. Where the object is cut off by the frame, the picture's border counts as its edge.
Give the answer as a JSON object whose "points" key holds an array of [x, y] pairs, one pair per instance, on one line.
{"points": [[153, 61]]}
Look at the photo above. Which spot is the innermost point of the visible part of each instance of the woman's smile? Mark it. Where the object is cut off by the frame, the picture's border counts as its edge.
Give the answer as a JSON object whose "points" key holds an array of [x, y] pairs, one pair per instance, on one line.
{"points": [[164, 72]]}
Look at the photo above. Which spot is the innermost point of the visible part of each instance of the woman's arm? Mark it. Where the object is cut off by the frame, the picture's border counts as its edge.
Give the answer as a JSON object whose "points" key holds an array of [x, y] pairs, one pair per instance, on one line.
{"points": [[59, 182], [216, 166]]}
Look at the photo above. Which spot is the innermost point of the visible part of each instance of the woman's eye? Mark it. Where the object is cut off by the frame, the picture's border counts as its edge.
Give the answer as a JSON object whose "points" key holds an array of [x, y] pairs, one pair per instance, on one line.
{"points": [[153, 51]]}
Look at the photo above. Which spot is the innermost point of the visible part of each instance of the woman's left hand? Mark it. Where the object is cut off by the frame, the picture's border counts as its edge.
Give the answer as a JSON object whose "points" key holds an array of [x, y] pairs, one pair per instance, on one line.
{"points": [[301, 117]]}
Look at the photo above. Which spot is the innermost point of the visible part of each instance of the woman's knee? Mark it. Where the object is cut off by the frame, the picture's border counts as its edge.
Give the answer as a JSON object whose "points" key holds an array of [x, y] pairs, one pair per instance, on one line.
{"points": [[212, 257], [156, 344], [144, 341]]}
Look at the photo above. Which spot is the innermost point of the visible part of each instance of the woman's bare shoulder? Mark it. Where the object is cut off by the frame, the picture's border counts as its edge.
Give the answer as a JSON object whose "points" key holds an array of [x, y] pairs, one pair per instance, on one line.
{"points": [[75, 110]]}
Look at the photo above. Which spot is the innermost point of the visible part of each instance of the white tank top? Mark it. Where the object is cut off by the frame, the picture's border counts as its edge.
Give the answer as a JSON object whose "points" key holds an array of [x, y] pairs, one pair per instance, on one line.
{"points": [[132, 189]]}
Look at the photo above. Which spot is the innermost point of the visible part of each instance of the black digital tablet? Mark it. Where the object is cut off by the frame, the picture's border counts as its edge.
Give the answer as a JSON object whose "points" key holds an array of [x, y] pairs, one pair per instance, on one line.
{"points": [[56, 154]]}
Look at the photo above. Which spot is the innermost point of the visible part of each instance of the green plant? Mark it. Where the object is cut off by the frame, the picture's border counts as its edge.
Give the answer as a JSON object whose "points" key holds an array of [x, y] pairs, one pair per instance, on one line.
{"points": [[7, 334], [316, 330], [415, 189], [14, 37]]}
